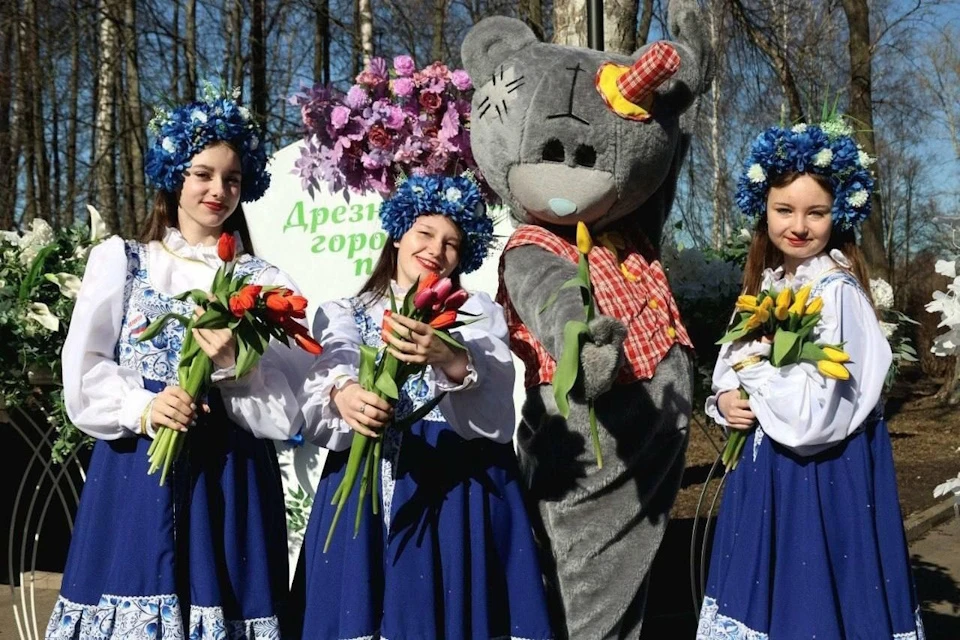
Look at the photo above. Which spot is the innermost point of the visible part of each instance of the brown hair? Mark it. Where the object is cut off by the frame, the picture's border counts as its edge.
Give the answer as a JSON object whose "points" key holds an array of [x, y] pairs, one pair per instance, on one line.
{"points": [[165, 214], [764, 255]]}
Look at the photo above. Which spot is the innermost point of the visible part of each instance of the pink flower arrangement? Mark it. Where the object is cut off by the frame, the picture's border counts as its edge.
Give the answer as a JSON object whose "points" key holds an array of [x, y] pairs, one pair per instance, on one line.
{"points": [[392, 122]]}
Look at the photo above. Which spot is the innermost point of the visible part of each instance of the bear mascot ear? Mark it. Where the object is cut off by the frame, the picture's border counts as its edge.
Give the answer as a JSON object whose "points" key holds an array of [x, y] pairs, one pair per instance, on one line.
{"points": [[492, 41]]}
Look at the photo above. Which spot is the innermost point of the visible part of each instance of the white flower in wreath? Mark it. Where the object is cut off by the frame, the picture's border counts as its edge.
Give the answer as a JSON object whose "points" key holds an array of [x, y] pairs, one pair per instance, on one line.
{"points": [[882, 293], [41, 314], [168, 145], [756, 174], [68, 284], [198, 116], [858, 198], [453, 194], [823, 158], [799, 128], [865, 158], [98, 228]]}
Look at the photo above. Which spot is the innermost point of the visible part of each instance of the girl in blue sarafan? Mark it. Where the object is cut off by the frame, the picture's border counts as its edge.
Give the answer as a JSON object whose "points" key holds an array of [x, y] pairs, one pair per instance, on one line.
{"points": [[453, 554], [203, 556], [809, 541]]}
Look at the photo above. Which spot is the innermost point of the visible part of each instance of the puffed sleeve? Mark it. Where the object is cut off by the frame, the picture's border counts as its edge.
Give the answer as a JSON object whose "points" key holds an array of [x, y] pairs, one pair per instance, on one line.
{"points": [[800, 408], [482, 405], [336, 329], [102, 398], [724, 379], [264, 401]]}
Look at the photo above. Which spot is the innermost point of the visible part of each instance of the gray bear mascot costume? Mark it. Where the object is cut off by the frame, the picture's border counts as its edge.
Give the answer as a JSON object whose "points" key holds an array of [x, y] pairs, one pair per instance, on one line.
{"points": [[564, 135]]}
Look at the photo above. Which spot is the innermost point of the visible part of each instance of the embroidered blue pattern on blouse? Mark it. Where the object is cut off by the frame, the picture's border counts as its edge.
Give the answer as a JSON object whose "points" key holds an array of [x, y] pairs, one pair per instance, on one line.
{"points": [[158, 358]]}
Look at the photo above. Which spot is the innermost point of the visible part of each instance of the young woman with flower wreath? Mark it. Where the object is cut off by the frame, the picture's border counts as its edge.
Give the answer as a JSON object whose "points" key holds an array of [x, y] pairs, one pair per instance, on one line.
{"points": [[204, 555], [451, 553], [809, 541]]}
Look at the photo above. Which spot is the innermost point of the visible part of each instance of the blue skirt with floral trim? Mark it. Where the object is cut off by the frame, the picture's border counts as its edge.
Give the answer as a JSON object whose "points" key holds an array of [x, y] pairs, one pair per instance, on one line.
{"points": [[202, 557], [811, 547], [453, 559]]}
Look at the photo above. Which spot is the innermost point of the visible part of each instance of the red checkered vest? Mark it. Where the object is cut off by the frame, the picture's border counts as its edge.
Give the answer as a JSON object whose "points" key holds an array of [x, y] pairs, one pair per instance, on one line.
{"points": [[626, 286]]}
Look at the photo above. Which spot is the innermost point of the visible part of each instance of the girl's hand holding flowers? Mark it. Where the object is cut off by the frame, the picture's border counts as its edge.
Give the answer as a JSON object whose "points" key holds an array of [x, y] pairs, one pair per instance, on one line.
{"points": [[173, 408], [416, 343], [365, 411], [735, 410], [219, 344]]}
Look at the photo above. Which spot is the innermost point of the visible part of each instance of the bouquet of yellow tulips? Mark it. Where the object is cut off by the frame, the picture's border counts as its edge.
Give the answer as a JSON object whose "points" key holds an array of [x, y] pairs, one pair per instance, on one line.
{"points": [[790, 318]]}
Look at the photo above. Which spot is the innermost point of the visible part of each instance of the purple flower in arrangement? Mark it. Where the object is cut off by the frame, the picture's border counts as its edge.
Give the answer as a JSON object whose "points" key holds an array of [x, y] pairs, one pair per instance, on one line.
{"points": [[375, 73], [461, 80], [383, 128], [339, 116], [404, 66], [357, 97], [403, 87]]}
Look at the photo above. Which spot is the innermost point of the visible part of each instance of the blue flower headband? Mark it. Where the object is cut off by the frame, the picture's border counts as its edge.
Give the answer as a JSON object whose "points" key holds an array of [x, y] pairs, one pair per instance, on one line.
{"points": [[459, 198], [826, 149], [181, 134]]}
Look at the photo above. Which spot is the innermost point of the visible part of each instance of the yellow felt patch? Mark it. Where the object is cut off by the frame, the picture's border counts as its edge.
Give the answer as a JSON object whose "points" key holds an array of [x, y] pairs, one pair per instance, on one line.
{"points": [[606, 83]]}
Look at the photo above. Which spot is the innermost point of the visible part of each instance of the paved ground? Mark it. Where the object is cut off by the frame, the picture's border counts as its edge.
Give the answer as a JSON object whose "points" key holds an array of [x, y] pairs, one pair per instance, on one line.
{"points": [[936, 566]]}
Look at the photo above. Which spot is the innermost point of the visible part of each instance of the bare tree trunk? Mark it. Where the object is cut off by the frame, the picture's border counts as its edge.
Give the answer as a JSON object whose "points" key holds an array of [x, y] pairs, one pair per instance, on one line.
{"points": [[25, 119], [175, 77], [861, 110], [73, 101], [439, 15], [42, 160], [321, 41], [531, 12], [258, 60], [105, 168], [236, 38], [620, 26], [646, 19], [721, 205], [135, 134], [9, 160], [570, 22], [778, 60], [190, 50], [365, 19]]}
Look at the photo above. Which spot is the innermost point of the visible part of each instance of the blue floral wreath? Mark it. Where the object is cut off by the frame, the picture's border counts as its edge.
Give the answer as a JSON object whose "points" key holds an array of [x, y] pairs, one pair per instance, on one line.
{"points": [[826, 149], [181, 134], [459, 198]]}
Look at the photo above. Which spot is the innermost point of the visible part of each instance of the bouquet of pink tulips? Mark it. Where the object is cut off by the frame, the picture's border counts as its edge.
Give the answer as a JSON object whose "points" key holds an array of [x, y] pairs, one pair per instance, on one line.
{"points": [[432, 301]]}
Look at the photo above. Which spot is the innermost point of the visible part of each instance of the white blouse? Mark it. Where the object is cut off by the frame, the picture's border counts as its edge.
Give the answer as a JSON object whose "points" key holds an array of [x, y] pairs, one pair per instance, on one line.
{"points": [[107, 400], [796, 405], [479, 407]]}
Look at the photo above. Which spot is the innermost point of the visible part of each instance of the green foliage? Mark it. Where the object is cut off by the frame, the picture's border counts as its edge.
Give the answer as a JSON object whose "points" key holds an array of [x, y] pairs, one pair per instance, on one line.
{"points": [[40, 272]]}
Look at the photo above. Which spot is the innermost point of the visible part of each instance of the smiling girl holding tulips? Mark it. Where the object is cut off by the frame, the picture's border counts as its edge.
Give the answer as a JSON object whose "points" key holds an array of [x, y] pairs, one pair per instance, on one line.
{"points": [[440, 546], [202, 552], [809, 542]]}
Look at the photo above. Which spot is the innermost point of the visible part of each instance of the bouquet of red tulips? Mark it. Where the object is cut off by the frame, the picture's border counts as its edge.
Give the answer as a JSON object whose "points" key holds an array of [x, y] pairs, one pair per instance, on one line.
{"points": [[253, 313], [432, 301]]}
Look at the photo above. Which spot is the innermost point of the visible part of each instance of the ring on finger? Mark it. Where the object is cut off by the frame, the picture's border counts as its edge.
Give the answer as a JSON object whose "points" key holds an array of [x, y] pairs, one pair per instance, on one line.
{"points": [[363, 408]]}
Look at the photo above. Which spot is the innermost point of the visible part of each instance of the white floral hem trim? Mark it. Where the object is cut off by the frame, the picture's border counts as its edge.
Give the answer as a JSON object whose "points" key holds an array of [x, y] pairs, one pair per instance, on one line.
{"points": [[150, 618], [714, 626]]}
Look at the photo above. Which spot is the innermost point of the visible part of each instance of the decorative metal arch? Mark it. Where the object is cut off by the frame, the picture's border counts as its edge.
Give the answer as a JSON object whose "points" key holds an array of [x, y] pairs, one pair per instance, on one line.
{"points": [[42, 481], [700, 543]]}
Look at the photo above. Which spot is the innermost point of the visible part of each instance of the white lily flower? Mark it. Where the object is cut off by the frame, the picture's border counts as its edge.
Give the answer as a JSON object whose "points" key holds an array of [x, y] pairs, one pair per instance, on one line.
{"points": [[68, 283], [10, 237], [98, 228], [41, 314]]}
